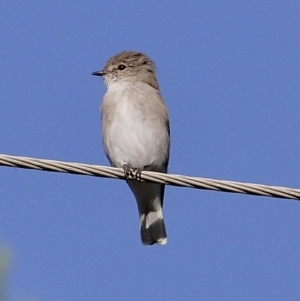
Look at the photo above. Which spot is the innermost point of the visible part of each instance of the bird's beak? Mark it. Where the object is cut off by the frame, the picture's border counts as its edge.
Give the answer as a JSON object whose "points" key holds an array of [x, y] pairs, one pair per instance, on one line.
{"points": [[99, 73]]}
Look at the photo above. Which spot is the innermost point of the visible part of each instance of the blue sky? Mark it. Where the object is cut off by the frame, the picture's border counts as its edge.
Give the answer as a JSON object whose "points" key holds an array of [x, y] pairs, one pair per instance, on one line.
{"points": [[229, 73]]}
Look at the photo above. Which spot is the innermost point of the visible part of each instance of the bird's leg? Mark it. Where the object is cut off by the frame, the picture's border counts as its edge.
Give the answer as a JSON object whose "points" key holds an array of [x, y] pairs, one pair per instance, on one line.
{"points": [[132, 173], [128, 173], [138, 174]]}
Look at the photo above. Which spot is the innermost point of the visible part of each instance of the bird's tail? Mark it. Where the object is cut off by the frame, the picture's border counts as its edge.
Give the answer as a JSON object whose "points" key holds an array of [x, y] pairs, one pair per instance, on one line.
{"points": [[153, 228], [149, 199]]}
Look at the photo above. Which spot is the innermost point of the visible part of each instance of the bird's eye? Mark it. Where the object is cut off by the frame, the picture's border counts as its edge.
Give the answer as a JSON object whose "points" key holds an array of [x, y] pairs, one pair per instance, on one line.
{"points": [[121, 67]]}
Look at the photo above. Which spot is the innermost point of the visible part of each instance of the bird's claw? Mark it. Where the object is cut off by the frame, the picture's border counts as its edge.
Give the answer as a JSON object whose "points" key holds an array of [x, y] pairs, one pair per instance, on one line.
{"points": [[132, 173]]}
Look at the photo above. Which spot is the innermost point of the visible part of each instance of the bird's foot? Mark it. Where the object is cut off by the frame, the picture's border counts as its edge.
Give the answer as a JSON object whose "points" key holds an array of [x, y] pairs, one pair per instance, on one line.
{"points": [[132, 173]]}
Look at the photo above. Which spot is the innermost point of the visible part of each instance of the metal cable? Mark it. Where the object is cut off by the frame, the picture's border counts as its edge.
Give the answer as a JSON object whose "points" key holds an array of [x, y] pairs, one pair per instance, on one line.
{"points": [[148, 176]]}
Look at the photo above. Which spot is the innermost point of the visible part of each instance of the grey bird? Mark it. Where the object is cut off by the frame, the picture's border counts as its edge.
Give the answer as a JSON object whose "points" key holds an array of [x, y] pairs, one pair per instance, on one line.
{"points": [[136, 134]]}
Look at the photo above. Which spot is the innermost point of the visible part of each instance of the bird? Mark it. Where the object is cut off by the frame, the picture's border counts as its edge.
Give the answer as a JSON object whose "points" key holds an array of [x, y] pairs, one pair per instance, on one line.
{"points": [[136, 134]]}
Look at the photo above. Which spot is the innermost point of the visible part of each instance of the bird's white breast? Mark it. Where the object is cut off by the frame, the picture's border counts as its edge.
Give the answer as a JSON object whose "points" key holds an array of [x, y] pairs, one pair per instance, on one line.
{"points": [[134, 132]]}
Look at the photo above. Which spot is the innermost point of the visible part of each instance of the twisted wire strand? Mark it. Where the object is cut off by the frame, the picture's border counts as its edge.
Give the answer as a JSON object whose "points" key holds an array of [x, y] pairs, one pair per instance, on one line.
{"points": [[148, 176]]}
